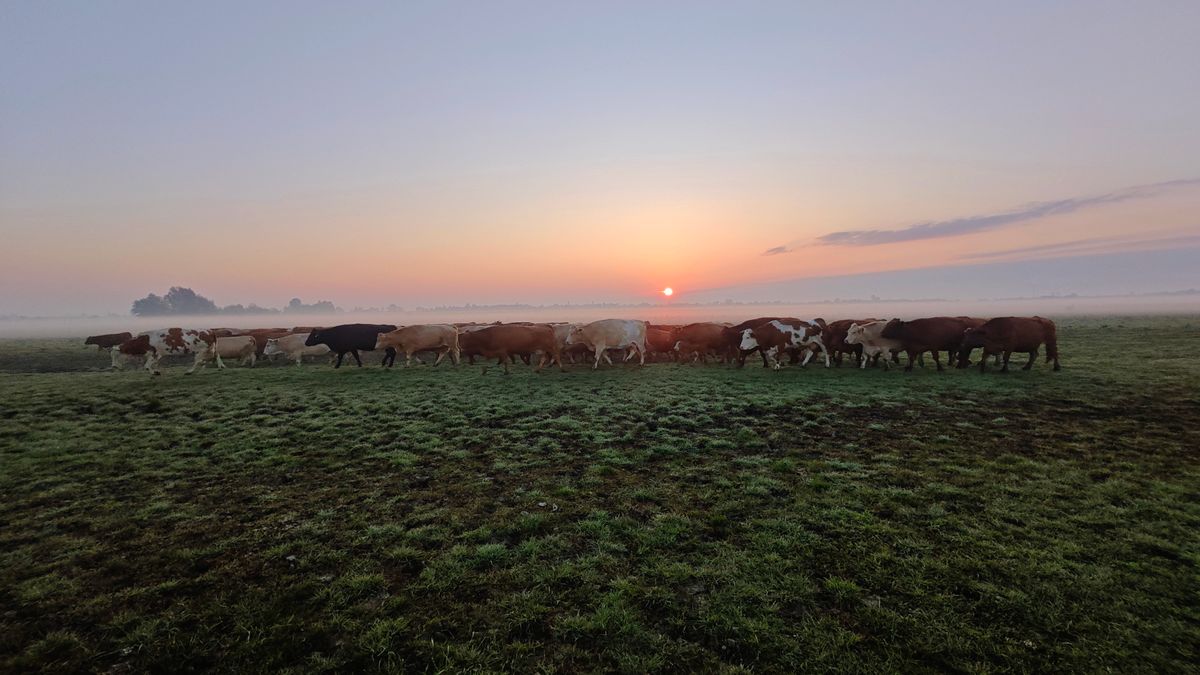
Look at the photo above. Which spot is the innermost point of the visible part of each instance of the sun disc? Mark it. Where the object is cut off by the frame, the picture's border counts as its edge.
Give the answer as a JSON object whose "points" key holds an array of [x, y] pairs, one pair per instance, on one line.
{"points": [[668, 291]]}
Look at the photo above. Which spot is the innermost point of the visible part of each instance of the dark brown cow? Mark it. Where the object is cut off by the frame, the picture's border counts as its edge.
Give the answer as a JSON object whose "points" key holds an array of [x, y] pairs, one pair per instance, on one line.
{"points": [[1008, 334], [661, 340], [134, 348], [505, 341], [935, 334], [107, 341]]}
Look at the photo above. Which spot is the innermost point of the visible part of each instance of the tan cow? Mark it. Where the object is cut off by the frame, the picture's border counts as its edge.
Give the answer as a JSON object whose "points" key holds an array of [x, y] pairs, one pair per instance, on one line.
{"points": [[612, 334], [240, 347], [293, 347], [442, 338], [869, 336]]}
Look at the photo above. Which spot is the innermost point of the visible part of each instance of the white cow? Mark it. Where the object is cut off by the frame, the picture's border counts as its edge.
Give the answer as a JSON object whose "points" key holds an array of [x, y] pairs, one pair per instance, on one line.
{"points": [[241, 347], [293, 346], [611, 334], [870, 336]]}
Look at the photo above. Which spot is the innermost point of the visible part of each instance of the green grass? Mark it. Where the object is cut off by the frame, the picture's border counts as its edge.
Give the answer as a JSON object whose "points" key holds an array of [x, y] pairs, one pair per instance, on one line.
{"points": [[668, 518]]}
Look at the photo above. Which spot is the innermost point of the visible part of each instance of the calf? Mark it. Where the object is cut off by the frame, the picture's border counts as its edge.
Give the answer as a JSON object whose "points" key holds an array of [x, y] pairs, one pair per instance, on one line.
{"points": [[1008, 334], [351, 338], [442, 338], [242, 347], [106, 342], [134, 348], [293, 347], [504, 341]]}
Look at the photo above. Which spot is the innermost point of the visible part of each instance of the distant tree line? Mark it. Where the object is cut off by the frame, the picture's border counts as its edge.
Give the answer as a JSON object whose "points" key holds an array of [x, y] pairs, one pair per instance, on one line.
{"points": [[180, 300]]}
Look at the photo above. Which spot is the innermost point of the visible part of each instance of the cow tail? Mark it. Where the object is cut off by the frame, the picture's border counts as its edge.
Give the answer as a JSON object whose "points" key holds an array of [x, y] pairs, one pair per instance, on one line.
{"points": [[1051, 337]]}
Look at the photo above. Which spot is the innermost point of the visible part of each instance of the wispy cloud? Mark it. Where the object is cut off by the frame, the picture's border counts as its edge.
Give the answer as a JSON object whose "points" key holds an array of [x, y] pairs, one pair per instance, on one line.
{"points": [[956, 227], [1094, 245]]}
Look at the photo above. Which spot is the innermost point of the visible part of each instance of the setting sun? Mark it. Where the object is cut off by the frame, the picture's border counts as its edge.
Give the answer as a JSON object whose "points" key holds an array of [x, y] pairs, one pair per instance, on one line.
{"points": [[668, 291]]}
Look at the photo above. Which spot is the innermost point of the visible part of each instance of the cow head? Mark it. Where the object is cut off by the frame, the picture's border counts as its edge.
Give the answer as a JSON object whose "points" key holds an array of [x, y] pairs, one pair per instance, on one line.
{"points": [[91, 341], [854, 334], [574, 336], [314, 338], [272, 347], [747, 341], [381, 341], [972, 338]]}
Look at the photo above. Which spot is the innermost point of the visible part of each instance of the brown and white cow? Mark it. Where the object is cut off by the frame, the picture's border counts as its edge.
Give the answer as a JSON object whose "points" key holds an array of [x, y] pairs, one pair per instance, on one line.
{"points": [[179, 341], [778, 336], [107, 341], [293, 347], [136, 348], [441, 338], [607, 334], [1008, 334], [240, 347]]}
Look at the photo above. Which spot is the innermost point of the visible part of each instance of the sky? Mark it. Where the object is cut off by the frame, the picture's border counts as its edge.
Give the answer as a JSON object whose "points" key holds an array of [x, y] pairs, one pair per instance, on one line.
{"points": [[427, 153]]}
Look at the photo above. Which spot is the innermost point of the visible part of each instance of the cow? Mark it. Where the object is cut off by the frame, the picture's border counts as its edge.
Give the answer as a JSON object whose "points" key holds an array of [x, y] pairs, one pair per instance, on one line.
{"points": [[698, 340], [442, 338], [179, 341], [868, 337], [1008, 334], [834, 337], [934, 334], [661, 340], [609, 334], [503, 341], [293, 347], [241, 347], [775, 337], [351, 338], [261, 335], [733, 335], [106, 342], [136, 348]]}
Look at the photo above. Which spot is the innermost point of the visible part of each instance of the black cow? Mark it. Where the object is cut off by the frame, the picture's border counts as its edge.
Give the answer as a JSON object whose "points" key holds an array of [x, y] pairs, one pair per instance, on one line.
{"points": [[353, 338]]}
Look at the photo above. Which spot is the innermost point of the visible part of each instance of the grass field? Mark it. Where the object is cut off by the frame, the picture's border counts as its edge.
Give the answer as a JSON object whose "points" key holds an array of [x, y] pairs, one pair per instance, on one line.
{"points": [[666, 518]]}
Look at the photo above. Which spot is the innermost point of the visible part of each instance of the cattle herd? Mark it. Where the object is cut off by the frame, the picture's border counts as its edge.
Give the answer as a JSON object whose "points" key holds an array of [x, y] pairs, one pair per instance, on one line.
{"points": [[869, 342]]}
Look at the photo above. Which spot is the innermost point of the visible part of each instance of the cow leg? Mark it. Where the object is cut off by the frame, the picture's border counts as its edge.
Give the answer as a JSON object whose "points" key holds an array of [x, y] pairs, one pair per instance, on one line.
{"points": [[937, 360], [299, 359], [340, 356], [253, 359], [1032, 358], [983, 359], [912, 356], [407, 359], [1007, 355], [997, 358], [808, 354], [354, 353], [195, 363], [504, 362], [601, 353], [441, 355]]}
